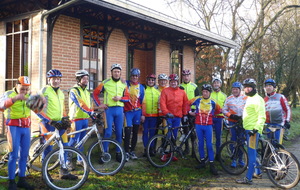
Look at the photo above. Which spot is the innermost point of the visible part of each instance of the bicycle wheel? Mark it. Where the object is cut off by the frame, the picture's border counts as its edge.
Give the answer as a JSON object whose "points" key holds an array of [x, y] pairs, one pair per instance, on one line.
{"points": [[159, 151], [107, 162], [35, 145], [54, 180], [283, 169], [195, 149], [4, 156], [233, 158]]}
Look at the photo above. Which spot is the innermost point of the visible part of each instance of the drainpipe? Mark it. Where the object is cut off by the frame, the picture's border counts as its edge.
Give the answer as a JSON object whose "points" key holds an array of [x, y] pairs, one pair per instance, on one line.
{"points": [[44, 14]]}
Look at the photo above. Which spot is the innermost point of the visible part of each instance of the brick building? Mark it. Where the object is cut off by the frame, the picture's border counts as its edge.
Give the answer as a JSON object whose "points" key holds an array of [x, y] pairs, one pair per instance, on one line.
{"points": [[37, 35]]}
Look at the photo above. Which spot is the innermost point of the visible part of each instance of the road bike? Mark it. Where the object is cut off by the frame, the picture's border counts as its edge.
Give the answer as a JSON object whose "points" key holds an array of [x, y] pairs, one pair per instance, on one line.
{"points": [[105, 156], [166, 145], [53, 164]]}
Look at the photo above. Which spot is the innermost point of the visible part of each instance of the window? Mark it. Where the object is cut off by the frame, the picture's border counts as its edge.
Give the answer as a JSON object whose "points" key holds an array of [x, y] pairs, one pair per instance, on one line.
{"points": [[176, 59], [17, 51], [92, 53]]}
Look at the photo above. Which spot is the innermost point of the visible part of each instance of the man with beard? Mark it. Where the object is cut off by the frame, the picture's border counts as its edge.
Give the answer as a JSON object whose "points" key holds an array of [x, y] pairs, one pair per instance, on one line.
{"points": [[115, 94]]}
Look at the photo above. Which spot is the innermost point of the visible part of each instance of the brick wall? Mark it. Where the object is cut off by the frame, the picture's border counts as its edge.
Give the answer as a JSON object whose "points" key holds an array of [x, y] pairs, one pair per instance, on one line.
{"points": [[162, 58], [188, 60], [117, 51], [144, 61]]}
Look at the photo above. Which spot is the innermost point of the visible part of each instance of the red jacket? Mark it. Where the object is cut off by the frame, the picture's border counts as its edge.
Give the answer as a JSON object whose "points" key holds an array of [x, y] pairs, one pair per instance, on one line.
{"points": [[174, 101]]}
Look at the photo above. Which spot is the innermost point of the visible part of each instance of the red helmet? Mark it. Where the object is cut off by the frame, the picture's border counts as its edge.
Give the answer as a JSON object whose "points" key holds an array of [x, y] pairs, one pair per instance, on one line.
{"points": [[173, 77], [151, 76], [186, 72]]}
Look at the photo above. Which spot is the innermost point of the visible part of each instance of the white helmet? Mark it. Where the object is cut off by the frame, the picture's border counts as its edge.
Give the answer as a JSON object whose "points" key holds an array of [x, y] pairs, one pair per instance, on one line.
{"points": [[163, 76], [218, 79], [81, 73], [115, 66]]}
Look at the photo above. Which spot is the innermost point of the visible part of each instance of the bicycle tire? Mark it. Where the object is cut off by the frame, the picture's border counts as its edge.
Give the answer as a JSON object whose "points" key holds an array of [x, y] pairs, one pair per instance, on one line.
{"points": [[4, 156], [229, 152], [157, 147], [108, 162], [284, 177], [52, 177], [195, 150], [36, 164]]}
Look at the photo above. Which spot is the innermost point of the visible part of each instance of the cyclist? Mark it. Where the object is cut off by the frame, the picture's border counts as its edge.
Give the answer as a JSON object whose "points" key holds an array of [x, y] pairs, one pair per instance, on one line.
{"points": [[233, 109], [149, 109], [51, 116], [173, 104], [115, 94], [254, 118], [191, 90], [219, 97], [205, 109], [133, 112], [80, 109], [278, 111], [17, 120], [162, 81]]}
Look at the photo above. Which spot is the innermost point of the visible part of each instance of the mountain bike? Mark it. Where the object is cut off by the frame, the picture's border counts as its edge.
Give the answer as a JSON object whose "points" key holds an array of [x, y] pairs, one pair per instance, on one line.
{"points": [[53, 164], [233, 157], [105, 156], [166, 144], [4, 156]]}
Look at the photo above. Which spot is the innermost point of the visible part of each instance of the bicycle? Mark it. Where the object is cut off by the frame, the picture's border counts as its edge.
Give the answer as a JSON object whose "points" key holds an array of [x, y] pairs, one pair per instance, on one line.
{"points": [[53, 163], [101, 161], [282, 167], [233, 157], [161, 145]]}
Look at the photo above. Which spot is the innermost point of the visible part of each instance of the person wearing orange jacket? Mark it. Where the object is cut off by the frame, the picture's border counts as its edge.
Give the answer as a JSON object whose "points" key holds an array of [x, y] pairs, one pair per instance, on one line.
{"points": [[149, 109], [174, 104]]}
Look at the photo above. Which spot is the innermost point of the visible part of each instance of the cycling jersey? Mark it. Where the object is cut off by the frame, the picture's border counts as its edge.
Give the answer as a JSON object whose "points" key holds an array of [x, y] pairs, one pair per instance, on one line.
{"points": [[55, 107], [234, 105], [136, 94], [254, 116], [277, 109], [150, 102], [191, 89], [174, 101], [205, 110], [219, 98], [80, 103], [111, 88]]}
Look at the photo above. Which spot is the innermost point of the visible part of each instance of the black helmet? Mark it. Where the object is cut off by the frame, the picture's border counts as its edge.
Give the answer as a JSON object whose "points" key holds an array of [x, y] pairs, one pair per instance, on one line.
{"points": [[207, 87], [249, 82]]}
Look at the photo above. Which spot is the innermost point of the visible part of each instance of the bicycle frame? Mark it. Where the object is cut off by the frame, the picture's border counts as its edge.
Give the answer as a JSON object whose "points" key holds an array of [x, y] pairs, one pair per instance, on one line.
{"points": [[55, 137]]}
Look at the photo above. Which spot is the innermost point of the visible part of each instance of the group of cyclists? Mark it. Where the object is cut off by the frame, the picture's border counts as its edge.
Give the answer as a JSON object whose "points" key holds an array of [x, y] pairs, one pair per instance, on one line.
{"points": [[128, 104]]}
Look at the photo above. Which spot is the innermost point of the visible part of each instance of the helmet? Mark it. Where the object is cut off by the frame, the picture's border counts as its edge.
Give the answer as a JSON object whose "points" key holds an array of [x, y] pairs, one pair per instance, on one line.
{"points": [[218, 79], [115, 66], [24, 80], [173, 77], [186, 72], [207, 87], [135, 71], [54, 73], [249, 82], [151, 76], [35, 103], [270, 82], [81, 73], [237, 85], [162, 77]]}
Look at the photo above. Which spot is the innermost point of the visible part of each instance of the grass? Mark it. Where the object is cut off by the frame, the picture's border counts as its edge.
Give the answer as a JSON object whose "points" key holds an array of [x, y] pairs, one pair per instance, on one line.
{"points": [[139, 174]]}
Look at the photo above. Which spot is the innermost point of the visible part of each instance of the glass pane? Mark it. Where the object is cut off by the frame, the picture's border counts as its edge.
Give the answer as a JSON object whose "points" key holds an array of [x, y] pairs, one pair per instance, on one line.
{"points": [[8, 27], [17, 26], [25, 24]]}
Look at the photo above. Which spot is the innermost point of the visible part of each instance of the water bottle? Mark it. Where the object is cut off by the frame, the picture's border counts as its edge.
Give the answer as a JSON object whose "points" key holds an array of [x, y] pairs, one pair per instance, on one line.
{"points": [[182, 137]]}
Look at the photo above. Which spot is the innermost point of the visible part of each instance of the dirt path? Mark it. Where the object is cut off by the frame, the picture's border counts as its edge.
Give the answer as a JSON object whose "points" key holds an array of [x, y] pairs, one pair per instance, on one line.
{"points": [[227, 182]]}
